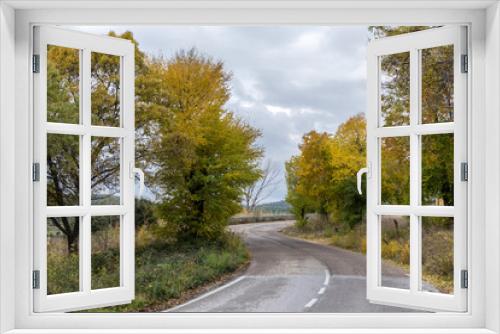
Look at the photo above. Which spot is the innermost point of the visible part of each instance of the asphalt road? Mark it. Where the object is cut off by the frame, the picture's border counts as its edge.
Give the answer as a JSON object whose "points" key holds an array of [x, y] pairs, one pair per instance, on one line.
{"points": [[291, 275]]}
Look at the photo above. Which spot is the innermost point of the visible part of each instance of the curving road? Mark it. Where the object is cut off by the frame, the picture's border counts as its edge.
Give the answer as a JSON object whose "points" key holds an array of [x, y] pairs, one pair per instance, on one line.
{"points": [[291, 275]]}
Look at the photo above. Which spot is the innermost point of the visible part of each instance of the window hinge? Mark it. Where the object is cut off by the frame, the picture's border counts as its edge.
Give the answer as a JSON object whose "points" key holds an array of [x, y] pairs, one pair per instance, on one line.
{"points": [[36, 279], [464, 171], [465, 63], [464, 279], [36, 63], [36, 172]]}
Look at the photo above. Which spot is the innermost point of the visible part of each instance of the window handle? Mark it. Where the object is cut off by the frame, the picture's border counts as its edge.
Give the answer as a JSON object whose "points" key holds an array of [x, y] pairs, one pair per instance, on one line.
{"points": [[137, 171], [360, 173]]}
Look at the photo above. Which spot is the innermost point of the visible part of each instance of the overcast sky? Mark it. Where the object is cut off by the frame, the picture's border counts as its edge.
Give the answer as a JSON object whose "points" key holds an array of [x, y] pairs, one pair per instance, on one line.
{"points": [[286, 80]]}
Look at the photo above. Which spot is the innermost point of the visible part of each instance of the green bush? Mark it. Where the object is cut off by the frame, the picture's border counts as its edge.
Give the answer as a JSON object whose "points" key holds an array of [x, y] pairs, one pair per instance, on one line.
{"points": [[62, 273], [165, 268], [165, 271]]}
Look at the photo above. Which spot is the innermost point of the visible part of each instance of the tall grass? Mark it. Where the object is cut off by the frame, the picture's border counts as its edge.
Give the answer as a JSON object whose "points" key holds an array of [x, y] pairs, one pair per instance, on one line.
{"points": [[437, 245], [165, 270]]}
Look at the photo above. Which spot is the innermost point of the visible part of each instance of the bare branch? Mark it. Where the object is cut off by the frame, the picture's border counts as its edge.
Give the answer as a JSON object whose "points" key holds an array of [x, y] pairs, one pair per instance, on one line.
{"points": [[264, 187]]}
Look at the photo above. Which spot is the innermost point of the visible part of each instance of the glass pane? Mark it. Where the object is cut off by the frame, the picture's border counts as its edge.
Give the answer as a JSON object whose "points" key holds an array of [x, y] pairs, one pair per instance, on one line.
{"points": [[105, 90], [62, 255], [395, 251], [63, 85], [437, 169], [395, 170], [63, 170], [105, 252], [395, 89], [437, 84], [437, 254], [105, 171]]}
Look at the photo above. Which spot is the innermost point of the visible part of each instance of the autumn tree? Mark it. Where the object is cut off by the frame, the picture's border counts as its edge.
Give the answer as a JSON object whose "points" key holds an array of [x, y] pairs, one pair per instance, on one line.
{"points": [[63, 82], [204, 155], [300, 204], [437, 106], [63, 101], [314, 171], [349, 155], [322, 178]]}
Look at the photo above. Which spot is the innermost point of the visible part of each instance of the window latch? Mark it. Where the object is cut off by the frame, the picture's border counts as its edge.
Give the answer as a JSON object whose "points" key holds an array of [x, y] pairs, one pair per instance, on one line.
{"points": [[137, 171], [365, 170]]}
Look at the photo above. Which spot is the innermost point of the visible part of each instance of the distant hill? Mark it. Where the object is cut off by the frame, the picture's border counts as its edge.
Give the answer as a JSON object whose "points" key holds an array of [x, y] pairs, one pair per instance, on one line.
{"points": [[274, 207]]}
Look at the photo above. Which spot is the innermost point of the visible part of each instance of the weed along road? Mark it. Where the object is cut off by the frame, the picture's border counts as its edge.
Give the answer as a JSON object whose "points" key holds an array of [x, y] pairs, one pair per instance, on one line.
{"points": [[291, 275]]}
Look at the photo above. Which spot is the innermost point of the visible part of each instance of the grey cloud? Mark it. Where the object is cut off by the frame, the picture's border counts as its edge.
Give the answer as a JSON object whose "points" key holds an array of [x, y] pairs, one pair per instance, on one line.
{"points": [[312, 77]]}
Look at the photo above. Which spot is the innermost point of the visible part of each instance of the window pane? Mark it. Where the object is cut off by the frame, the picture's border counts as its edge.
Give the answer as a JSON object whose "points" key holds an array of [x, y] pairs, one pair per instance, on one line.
{"points": [[437, 169], [62, 255], [395, 89], [105, 252], [437, 254], [105, 171], [395, 170], [437, 84], [63, 84], [105, 91], [63, 170], [395, 251]]}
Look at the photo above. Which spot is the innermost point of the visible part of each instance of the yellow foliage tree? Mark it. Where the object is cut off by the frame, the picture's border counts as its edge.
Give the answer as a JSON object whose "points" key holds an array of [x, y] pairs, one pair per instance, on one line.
{"points": [[322, 179], [314, 171]]}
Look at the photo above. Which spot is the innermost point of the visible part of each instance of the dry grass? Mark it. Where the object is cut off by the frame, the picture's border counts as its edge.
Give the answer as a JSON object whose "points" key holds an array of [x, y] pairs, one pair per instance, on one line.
{"points": [[437, 247], [166, 272]]}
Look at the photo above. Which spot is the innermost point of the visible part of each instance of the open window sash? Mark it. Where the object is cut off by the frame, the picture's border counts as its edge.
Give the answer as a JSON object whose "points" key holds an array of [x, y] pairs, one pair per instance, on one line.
{"points": [[414, 127], [65, 117]]}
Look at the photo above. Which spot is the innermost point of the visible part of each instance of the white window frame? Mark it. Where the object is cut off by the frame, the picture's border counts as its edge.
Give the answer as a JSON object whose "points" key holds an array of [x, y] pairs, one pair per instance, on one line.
{"points": [[413, 43], [16, 20], [86, 297]]}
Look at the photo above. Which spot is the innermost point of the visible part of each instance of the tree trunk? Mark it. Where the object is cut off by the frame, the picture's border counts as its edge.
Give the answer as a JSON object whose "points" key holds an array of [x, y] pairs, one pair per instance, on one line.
{"points": [[72, 244]]}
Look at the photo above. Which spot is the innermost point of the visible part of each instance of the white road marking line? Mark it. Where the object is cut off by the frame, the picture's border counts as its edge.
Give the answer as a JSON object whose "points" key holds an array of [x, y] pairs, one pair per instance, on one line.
{"points": [[327, 277], [220, 288], [311, 303], [321, 291]]}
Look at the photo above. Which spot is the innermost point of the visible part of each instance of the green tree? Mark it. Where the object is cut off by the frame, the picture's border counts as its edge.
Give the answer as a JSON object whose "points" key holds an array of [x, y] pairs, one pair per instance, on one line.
{"points": [[349, 155], [204, 155], [322, 178], [395, 78], [437, 86], [313, 170], [145, 212], [300, 204], [63, 82]]}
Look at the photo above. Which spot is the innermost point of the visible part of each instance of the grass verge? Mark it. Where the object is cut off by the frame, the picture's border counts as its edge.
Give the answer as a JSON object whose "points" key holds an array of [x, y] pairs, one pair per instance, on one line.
{"points": [[437, 239], [167, 274]]}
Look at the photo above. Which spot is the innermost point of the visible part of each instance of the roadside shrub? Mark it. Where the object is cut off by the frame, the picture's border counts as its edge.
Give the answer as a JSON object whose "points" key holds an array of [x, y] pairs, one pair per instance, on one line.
{"points": [[436, 261], [396, 251], [166, 270], [300, 223], [437, 245], [350, 240], [62, 273]]}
